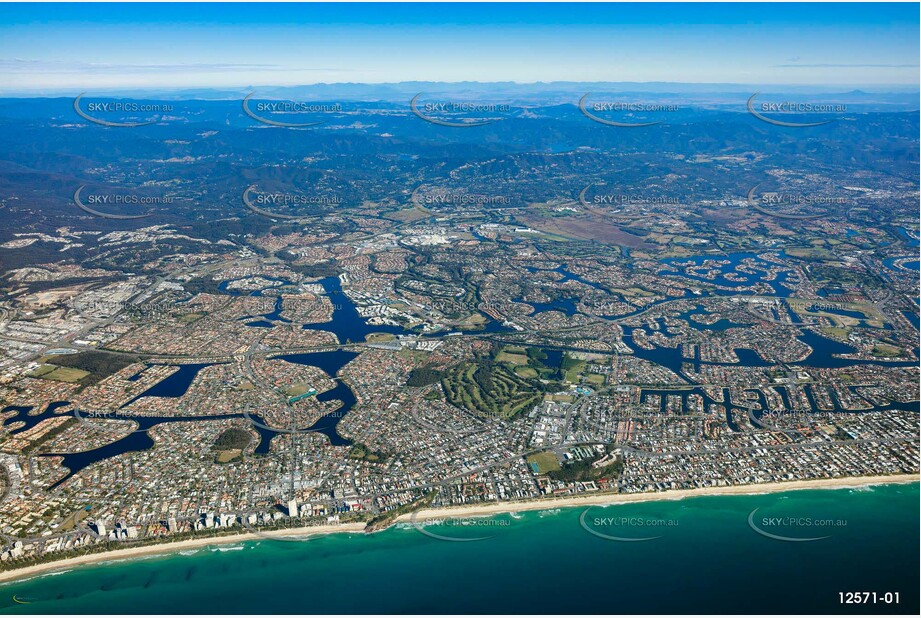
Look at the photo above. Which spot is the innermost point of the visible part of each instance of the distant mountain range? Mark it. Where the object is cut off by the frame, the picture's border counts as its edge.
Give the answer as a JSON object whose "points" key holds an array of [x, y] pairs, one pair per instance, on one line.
{"points": [[727, 96]]}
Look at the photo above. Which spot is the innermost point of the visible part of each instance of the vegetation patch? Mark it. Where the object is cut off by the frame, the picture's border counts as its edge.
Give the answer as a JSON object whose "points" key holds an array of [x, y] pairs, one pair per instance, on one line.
{"points": [[297, 389], [507, 356], [526, 372], [363, 452], [379, 338], [544, 462], [386, 519], [583, 470], [231, 444], [59, 374], [886, 351], [835, 332], [572, 368], [434, 395], [99, 365], [74, 518], [490, 389], [188, 318], [423, 376]]}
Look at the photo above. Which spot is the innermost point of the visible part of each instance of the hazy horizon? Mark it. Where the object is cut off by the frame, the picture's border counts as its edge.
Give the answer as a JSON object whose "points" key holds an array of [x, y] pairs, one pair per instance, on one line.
{"points": [[542, 92], [67, 48]]}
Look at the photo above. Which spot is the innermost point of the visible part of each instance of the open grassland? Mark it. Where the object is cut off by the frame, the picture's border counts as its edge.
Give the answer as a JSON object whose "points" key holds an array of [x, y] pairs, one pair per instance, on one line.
{"points": [[59, 374], [545, 461]]}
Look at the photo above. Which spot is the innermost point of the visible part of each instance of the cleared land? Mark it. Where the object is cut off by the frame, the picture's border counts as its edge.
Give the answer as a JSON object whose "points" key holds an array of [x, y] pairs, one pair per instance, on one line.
{"points": [[545, 461], [59, 374], [586, 229]]}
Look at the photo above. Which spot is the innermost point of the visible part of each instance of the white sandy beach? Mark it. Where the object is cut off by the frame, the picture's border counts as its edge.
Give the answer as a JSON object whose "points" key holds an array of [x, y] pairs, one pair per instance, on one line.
{"points": [[170, 548], [677, 494], [463, 511]]}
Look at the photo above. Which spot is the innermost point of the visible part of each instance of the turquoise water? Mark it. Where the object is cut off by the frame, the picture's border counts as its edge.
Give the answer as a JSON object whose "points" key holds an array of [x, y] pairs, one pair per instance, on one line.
{"points": [[706, 560]]}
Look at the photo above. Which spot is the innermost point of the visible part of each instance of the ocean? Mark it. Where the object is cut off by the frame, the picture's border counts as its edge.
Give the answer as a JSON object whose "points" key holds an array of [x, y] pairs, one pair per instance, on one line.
{"points": [[709, 554]]}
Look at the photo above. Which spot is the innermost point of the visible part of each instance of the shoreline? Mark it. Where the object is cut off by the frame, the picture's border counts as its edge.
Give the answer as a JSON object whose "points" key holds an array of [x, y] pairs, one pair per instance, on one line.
{"points": [[478, 510], [608, 499]]}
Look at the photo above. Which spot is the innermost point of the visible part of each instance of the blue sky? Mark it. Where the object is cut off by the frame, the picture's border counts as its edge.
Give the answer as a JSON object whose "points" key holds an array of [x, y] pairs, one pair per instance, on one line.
{"points": [[65, 47]]}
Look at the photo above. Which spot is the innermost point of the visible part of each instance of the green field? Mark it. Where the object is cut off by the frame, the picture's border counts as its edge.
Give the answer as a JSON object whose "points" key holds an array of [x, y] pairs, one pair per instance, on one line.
{"points": [[886, 350], [188, 318], [228, 455], [379, 337], [526, 372], [809, 253], [474, 319], [59, 374], [297, 389], [515, 359], [69, 522], [834, 331], [42, 371], [546, 461], [99, 365], [595, 379], [572, 369], [870, 314], [361, 451]]}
